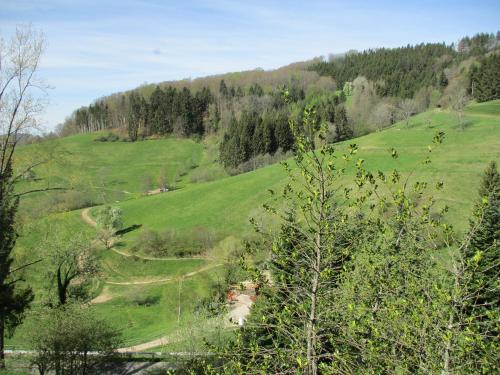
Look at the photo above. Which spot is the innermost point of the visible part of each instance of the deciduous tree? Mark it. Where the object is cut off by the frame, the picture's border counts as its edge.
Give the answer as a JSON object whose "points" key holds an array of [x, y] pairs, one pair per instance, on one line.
{"points": [[109, 221], [72, 340], [72, 262], [20, 104]]}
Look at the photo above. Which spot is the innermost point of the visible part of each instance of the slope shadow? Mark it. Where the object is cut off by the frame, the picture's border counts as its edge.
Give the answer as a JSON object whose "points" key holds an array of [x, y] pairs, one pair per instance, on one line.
{"points": [[128, 229]]}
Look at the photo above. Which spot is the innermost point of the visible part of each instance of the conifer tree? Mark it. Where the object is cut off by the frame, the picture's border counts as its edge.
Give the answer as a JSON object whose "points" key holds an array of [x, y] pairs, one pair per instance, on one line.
{"points": [[477, 312], [291, 329], [343, 130]]}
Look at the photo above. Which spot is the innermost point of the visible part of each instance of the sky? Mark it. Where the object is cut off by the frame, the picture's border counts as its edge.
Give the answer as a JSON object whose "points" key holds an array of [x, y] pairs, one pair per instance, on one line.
{"points": [[95, 48]]}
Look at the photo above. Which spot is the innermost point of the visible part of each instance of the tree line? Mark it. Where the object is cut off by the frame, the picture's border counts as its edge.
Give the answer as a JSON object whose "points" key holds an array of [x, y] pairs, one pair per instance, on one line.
{"points": [[166, 112]]}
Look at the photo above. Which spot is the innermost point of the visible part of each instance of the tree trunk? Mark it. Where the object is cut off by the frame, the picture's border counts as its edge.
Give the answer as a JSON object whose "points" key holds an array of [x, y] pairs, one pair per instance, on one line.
{"points": [[312, 359], [311, 329], [2, 344], [62, 288], [447, 349]]}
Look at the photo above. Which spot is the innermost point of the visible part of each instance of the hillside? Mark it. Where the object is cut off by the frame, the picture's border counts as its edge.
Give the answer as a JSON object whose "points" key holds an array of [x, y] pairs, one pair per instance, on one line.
{"points": [[150, 298], [93, 172]]}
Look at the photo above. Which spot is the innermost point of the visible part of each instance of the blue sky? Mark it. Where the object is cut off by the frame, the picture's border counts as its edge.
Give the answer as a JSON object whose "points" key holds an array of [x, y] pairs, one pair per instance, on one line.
{"points": [[99, 47]]}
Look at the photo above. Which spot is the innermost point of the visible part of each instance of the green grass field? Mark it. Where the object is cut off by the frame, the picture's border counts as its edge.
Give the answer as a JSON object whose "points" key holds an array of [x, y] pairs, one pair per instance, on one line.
{"points": [[147, 307], [117, 166]]}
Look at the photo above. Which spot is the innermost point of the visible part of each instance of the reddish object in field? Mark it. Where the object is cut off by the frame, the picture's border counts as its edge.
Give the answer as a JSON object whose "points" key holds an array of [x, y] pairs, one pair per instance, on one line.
{"points": [[231, 296]]}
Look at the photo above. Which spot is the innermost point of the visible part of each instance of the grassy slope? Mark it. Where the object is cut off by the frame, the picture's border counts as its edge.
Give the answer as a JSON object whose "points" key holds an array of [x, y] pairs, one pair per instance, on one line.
{"points": [[113, 170], [225, 206]]}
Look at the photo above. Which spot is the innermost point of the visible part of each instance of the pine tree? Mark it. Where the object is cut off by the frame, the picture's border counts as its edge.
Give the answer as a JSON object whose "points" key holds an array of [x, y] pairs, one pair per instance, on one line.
{"points": [[283, 133], [289, 331], [223, 91], [443, 80], [485, 79], [133, 116], [258, 145], [344, 132], [481, 278]]}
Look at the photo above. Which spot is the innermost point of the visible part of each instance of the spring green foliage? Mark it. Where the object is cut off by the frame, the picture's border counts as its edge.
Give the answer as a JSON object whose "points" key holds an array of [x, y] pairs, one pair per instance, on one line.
{"points": [[356, 281], [223, 207], [347, 271], [290, 330]]}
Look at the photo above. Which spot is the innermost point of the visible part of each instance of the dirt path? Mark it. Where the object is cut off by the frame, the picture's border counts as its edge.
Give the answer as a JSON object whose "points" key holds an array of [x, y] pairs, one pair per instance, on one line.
{"points": [[165, 280], [90, 221], [147, 345], [87, 218], [105, 296], [240, 309]]}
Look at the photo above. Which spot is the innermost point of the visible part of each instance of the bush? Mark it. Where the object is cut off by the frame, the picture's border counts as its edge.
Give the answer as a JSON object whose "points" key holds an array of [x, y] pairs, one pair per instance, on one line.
{"points": [[110, 137], [260, 161], [170, 243], [69, 201], [206, 174], [64, 337], [144, 300]]}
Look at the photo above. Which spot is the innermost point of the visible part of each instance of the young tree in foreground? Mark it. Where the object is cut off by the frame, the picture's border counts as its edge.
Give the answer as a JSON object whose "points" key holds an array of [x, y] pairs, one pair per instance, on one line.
{"points": [[19, 107], [72, 340], [391, 300], [291, 329]]}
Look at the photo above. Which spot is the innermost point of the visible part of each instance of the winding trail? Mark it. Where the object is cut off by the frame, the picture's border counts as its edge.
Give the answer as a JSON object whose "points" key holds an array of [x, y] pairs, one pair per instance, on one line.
{"points": [[90, 221], [106, 296], [165, 280], [87, 218]]}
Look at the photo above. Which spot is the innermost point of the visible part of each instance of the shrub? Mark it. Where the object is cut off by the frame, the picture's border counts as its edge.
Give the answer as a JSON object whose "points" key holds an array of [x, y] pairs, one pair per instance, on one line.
{"points": [[64, 337], [260, 161], [144, 300], [69, 201], [171, 243], [205, 174], [110, 137]]}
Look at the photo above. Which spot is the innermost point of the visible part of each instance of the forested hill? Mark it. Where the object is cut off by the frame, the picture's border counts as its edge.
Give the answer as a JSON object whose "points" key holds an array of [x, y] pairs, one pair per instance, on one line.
{"points": [[355, 94]]}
